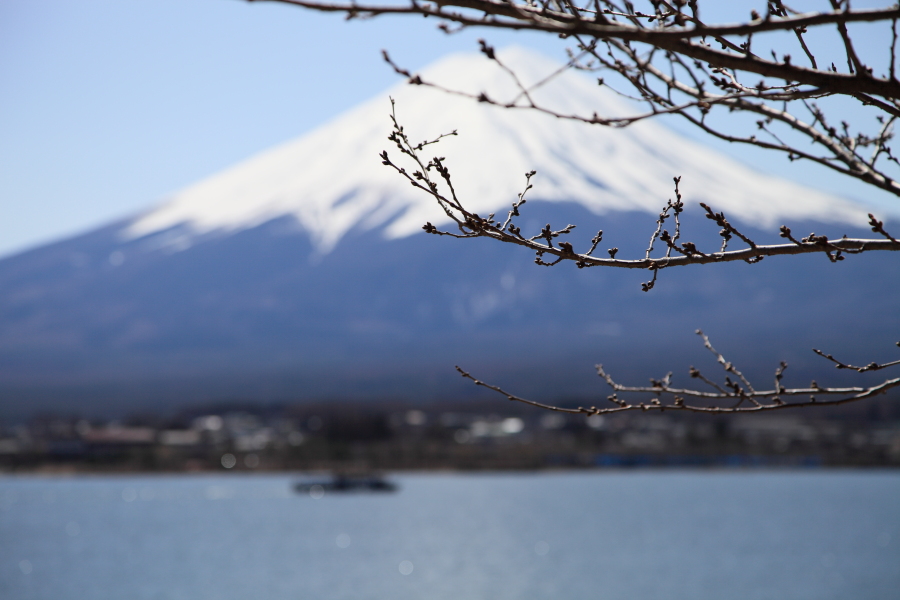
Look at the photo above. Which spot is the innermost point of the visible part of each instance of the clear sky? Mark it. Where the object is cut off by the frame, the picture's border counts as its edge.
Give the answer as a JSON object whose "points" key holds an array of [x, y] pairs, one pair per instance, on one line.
{"points": [[106, 106]]}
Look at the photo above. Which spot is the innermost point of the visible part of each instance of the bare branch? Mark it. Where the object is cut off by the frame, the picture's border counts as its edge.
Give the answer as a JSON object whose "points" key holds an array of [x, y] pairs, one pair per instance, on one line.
{"points": [[872, 366], [470, 225], [571, 20], [667, 397]]}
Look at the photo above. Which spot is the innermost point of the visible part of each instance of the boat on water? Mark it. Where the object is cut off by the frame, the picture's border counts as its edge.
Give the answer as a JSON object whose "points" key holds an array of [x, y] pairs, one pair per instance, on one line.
{"points": [[345, 484]]}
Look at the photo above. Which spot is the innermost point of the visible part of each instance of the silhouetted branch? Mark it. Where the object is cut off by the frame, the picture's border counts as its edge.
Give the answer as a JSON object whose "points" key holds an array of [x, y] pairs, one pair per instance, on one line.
{"points": [[471, 225], [665, 396], [872, 366]]}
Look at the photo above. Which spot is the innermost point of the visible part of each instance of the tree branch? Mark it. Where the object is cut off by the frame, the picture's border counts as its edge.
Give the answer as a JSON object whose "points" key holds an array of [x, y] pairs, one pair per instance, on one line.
{"points": [[471, 225], [667, 397]]}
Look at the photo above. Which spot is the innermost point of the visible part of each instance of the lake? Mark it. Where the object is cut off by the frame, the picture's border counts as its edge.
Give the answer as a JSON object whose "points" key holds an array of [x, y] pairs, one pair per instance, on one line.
{"points": [[631, 535]]}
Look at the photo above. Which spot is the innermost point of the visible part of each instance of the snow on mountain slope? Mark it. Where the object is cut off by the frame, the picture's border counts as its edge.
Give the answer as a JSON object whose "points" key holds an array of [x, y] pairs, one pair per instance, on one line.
{"points": [[331, 180]]}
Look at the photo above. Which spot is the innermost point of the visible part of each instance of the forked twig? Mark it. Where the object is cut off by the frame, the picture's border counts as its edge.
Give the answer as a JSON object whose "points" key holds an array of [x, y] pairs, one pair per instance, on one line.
{"points": [[872, 366], [665, 396], [471, 225]]}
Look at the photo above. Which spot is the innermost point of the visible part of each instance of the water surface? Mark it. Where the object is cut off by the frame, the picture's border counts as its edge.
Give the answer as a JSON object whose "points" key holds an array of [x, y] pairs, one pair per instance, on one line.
{"points": [[586, 535]]}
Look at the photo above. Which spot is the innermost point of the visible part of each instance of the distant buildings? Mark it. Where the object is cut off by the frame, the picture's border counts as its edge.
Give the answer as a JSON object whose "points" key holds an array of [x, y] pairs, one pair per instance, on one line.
{"points": [[376, 436]]}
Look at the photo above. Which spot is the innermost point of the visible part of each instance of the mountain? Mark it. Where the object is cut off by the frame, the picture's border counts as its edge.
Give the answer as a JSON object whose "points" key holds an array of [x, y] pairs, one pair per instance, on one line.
{"points": [[303, 272], [331, 181]]}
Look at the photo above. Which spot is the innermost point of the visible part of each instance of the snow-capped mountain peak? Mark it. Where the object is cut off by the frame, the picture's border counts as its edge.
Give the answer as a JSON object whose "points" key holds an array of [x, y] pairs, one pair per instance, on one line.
{"points": [[331, 180]]}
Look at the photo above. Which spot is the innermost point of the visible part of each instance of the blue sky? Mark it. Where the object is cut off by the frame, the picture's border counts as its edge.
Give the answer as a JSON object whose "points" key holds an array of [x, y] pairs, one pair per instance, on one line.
{"points": [[109, 105]]}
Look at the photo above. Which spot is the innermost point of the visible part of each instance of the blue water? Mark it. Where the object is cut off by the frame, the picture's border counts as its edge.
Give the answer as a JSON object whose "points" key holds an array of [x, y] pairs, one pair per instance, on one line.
{"points": [[617, 535]]}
